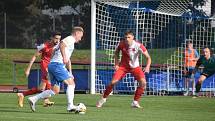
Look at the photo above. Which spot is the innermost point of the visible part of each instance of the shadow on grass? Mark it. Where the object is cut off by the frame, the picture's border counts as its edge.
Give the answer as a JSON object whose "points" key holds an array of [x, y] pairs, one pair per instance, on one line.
{"points": [[14, 110]]}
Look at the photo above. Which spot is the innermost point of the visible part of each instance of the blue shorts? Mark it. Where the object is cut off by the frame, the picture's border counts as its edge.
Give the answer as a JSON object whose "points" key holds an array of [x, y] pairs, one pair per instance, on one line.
{"points": [[58, 73]]}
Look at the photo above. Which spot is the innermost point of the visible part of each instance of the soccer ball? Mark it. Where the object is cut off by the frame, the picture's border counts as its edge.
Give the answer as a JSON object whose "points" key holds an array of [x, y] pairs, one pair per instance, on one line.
{"points": [[81, 108]]}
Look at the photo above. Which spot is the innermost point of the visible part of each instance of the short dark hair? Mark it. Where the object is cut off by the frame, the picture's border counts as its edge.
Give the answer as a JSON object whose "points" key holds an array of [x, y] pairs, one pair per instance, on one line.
{"points": [[129, 32], [56, 33]]}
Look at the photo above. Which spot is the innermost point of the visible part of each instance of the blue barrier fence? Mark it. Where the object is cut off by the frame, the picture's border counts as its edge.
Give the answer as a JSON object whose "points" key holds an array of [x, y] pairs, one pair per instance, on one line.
{"points": [[155, 81], [81, 79]]}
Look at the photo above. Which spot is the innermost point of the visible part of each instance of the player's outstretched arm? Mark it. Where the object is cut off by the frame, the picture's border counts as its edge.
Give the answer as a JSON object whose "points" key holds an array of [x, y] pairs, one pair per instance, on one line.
{"points": [[27, 71]]}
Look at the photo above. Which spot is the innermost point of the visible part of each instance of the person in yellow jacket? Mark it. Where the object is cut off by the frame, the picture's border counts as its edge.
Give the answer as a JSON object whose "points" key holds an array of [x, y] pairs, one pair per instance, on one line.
{"points": [[190, 58]]}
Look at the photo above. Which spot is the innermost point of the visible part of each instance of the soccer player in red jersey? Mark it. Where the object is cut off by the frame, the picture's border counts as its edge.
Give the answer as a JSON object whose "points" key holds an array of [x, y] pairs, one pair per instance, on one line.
{"points": [[129, 63], [45, 50]]}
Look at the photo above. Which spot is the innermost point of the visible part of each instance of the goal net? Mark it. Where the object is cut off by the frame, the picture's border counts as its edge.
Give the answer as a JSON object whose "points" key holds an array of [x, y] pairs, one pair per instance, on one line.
{"points": [[163, 27]]}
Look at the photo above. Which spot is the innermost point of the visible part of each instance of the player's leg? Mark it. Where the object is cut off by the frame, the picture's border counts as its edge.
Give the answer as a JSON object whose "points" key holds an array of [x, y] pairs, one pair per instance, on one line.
{"points": [[139, 75], [188, 78], [46, 85], [21, 96], [32, 91], [107, 92], [47, 93], [186, 86], [61, 74], [120, 73], [193, 86], [199, 84], [43, 95], [70, 94], [186, 81]]}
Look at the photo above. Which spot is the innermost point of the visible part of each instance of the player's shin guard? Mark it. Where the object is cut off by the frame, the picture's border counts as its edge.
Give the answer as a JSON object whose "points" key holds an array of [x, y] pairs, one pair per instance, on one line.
{"points": [[108, 90], [138, 93], [32, 91], [198, 87]]}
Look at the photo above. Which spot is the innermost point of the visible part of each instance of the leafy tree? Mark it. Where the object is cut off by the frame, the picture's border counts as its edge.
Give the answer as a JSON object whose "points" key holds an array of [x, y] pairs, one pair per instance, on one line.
{"points": [[26, 23]]}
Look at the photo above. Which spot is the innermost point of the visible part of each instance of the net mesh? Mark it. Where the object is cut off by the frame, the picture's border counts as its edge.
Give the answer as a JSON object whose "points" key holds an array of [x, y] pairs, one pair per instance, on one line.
{"points": [[163, 31]]}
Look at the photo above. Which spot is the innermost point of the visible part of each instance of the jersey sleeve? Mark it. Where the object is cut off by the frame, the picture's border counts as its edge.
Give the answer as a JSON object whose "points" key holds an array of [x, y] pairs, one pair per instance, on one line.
{"points": [[65, 41], [142, 48], [68, 41], [40, 47]]}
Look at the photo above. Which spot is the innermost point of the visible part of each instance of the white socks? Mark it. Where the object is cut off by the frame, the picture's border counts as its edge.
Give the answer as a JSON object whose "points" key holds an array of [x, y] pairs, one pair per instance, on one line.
{"points": [[70, 96], [48, 93], [44, 94]]}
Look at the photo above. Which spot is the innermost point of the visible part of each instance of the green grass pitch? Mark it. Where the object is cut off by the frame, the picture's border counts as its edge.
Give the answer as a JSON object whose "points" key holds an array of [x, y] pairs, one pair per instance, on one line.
{"points": [[117, 108]]}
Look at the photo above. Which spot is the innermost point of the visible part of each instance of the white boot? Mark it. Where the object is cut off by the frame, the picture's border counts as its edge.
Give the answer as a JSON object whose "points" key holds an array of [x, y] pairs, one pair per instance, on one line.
{"points": [[135, 104], [186, 93], [32, 103], [100, 102]]}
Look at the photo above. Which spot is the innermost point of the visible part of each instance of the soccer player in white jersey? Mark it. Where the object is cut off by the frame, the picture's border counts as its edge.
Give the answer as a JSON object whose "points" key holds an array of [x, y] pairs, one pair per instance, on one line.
{"points": [[58, 72], [129, 63]]}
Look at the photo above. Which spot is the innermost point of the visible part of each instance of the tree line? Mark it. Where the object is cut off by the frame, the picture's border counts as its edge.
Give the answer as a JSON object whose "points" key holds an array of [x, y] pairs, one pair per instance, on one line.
{"points": [[30, 22]]}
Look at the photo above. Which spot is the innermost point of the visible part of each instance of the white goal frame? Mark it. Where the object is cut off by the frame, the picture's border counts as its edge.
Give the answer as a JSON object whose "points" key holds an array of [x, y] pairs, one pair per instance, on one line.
{"points": [[172, 65]]}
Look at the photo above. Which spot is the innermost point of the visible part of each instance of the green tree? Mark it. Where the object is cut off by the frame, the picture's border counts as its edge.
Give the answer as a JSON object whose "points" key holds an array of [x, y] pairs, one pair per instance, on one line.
{"points": [[81, 14], [26, 23]]}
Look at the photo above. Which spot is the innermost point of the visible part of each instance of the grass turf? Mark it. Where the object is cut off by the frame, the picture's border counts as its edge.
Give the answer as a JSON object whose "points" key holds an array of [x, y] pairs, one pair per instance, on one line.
{"points": [[117, 108]]}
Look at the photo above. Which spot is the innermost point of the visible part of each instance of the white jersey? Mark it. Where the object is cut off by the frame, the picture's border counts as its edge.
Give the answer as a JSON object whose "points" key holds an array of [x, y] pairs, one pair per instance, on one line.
{"points": [[130, 54], [69, 42]]}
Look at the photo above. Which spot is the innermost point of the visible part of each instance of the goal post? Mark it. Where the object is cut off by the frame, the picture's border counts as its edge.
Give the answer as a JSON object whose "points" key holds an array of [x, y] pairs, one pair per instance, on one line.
{"points": [[162, 26], [93, 47]]}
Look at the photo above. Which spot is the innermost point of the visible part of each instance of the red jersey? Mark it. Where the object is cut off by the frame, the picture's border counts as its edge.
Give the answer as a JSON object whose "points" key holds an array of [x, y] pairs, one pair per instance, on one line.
{"points": [[130, 54], [46, 49]]}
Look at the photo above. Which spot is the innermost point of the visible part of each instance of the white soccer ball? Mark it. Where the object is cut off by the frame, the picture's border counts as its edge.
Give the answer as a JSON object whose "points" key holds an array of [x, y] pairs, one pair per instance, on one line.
{"points": [[81, 108]]}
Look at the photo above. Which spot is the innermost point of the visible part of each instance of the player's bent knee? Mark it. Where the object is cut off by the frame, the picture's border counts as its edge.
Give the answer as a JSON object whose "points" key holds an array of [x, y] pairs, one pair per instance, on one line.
{"points": [[113, 82], [69, 81], [56, 89], [142, 82]]}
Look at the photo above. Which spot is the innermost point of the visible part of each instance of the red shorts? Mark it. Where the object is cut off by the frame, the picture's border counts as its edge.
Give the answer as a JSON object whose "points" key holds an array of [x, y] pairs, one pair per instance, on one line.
{"points": [[136, 72]]}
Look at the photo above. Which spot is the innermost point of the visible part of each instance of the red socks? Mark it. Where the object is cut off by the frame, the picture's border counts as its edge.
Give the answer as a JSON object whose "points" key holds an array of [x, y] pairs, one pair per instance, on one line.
{"points": [[31, 91], [108, 91], [138, 93]]}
